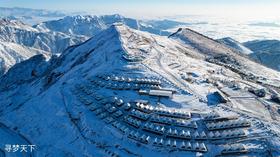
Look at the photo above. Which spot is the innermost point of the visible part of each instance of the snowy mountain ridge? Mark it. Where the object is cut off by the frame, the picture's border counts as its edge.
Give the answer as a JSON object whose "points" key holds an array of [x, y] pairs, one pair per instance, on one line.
{"points": [[68, 99], [55, 36], [90, 25], [20, 41], [236, 45], [266, 52], [17, 32], [11, 53]]}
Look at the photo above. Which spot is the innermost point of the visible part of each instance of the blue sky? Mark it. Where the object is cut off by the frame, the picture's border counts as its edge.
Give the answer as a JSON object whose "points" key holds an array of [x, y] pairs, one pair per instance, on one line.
{"points": [[154, 7]]}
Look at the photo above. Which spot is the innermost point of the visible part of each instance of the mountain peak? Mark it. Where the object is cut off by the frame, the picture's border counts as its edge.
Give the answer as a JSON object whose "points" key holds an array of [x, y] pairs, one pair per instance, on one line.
{"points": [[135, 87], [199, 41]]}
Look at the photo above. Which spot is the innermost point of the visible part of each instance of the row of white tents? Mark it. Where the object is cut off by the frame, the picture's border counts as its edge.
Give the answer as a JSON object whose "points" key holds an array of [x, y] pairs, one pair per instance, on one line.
{"points": [[173, 144], [171, 132], [123, 86], [162, 111], [182, 145], [132, 121], [139, 114], [172, 113], [234, 149], [213, 116], [171, 121], [225, 134], [162, 119], [155, 128], [227, 124], [144, 107], [127, 79]]}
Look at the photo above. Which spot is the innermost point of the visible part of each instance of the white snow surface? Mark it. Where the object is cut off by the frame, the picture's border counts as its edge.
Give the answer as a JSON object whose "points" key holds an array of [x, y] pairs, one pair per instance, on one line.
{"points": [[44, 109], [20, 41]]}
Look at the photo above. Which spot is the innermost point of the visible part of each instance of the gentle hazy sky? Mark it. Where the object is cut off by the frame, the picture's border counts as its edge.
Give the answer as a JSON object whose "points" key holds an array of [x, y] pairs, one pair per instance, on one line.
{"points": [[152, 8]]}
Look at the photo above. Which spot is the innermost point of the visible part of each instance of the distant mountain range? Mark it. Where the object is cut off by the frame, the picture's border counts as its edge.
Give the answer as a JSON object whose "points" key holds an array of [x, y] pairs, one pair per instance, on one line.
{"points": [[90, 25], [30, 16], [20, 41], [266, 52]]}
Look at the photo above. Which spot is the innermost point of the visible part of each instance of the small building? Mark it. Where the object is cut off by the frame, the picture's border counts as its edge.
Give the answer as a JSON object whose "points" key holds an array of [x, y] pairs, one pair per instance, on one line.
{"points": [[258, 92], [161, 93], [174, 144], [275, 98], [161, 141], [220, 97], [182, 145], [143, 92], [169, 89], [168, 143]]}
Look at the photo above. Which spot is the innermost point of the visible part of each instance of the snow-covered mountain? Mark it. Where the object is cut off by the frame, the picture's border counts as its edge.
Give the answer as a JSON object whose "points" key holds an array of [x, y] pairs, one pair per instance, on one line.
{"points": [[236, 45], [90, 25], [12, 53], [84, 102], [266, 52], [20, 33], [55, 36], [20, 41], [211, 48], [225, 52]]}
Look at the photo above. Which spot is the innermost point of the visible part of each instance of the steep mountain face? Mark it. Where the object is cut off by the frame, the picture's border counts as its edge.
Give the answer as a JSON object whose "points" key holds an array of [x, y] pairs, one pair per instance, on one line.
{"points": [[11, 53], [200, 42], [84, 102], [266, 52], [91, 25], [215, 51], [19, 41], [20, 33], [235, 45], [25, 71]]}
